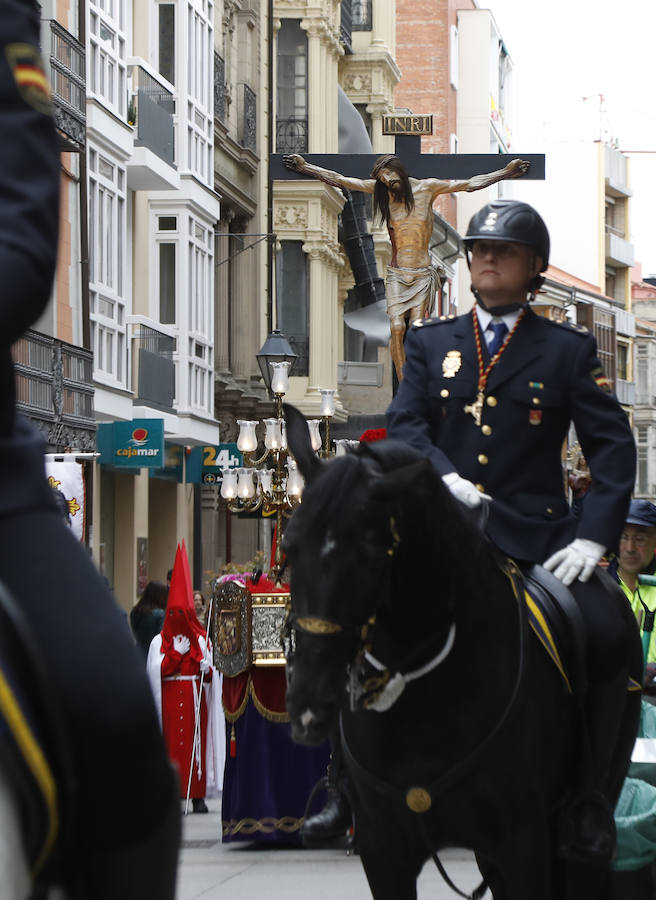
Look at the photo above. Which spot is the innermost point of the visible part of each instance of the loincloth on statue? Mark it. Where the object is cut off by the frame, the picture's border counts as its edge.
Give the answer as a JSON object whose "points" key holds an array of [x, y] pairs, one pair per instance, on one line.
{"points": [[408, 289]]}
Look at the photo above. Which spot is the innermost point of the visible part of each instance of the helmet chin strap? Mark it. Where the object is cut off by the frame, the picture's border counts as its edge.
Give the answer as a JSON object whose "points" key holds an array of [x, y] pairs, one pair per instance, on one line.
{"points": [[506, 308]]}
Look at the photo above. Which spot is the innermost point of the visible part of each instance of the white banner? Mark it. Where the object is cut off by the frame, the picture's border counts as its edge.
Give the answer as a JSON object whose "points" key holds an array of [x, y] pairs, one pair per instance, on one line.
{"points": [[65, 475]]}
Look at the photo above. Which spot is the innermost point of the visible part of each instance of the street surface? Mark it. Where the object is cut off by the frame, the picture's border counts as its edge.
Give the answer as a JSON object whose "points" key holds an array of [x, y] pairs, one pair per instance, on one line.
{"points": [[210, 870]]}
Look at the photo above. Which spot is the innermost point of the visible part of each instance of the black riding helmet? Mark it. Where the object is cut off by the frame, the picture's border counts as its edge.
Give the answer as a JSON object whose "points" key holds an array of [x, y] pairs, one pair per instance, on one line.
{"points": [[515, 222]]}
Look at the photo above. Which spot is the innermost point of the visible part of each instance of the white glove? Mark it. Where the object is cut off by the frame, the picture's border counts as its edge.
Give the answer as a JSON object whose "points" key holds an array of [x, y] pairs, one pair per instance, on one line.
{"points": [[205, 665], [577, 559], [181, 644], [464, 490]]}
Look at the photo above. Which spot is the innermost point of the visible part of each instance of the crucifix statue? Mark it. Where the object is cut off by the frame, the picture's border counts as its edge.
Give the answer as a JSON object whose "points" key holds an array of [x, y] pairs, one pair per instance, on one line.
{"points": [[405, 204]]}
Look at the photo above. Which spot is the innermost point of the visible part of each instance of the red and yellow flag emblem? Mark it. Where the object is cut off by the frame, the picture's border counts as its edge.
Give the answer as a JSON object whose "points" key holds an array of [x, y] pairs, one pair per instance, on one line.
{"points": [[27, 68]]}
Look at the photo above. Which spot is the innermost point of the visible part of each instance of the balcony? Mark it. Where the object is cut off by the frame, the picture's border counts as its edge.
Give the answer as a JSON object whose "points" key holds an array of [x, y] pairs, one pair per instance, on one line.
{"points": [[346, 26], [154, 367], [219, 88], [619, 252], [291, 135], [248, 138], [54, 389], [617, 181], [65, 59], [150, 111], [626, 393]]}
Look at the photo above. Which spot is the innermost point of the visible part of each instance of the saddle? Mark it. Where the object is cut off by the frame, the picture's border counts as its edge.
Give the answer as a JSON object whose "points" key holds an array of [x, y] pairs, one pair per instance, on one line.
{"points": [[556, 619]]}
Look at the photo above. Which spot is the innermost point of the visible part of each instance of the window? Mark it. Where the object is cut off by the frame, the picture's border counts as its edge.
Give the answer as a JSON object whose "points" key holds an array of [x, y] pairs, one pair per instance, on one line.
{"points": [[166, 43], [200, 323], [293, 301], [642, 446], [107, 267], [622, 361], [107, 54], [292, 112], [200, 89], [362, 15], [167, 290]]}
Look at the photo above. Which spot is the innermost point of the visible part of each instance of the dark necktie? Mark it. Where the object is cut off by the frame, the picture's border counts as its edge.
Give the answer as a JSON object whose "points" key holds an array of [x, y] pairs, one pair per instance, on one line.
{"points": [[499, 330]]}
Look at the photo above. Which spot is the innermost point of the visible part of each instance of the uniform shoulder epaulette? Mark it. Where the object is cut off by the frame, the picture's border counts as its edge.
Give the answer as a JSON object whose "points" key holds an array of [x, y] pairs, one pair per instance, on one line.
{"points": [[432, 320], [569, 326]]}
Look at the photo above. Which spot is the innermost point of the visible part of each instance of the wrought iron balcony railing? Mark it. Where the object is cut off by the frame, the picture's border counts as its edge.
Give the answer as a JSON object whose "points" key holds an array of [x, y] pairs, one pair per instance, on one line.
{"points": [[249, 119], [291, 135], [54, 388], [66, 61], [219, 88], [346, 25]]}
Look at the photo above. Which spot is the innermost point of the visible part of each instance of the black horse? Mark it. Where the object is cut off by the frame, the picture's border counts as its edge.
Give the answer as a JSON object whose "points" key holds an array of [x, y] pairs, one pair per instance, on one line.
{"points": [[459, 729]]}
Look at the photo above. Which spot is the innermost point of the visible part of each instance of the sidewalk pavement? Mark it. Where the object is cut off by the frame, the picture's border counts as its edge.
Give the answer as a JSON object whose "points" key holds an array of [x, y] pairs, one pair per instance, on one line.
{"points": [[210, 870]]}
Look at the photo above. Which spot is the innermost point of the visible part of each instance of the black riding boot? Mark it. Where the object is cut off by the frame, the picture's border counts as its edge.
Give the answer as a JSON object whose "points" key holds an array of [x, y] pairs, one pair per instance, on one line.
{"points": [[334, 820], [587, 827]]}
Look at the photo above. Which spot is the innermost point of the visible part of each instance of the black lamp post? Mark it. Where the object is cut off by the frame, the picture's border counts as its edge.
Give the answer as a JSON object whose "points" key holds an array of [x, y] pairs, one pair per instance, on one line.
{"points": [[276, 348]]}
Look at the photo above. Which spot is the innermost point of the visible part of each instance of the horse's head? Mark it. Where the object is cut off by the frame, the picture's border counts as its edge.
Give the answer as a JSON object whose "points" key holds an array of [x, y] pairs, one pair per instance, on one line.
{"points": [[339, 545]]}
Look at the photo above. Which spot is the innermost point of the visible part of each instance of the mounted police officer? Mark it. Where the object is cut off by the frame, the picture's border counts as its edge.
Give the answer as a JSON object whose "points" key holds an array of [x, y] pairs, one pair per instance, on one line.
{"points": [[93, 685], [489, 397]]}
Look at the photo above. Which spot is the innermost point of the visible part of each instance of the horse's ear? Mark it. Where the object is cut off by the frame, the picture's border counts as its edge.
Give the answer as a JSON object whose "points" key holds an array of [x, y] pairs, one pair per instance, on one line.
{"points": [[391, 484], [298, 441]]}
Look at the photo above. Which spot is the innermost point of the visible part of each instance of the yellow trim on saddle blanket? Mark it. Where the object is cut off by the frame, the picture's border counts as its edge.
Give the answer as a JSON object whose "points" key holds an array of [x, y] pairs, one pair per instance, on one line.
{"points": [[536, 619]]}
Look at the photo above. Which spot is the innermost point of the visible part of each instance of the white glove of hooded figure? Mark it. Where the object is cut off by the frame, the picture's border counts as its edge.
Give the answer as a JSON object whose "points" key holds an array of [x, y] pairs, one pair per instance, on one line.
{"points": [[181, 644], [464, 490], [577, 559]]}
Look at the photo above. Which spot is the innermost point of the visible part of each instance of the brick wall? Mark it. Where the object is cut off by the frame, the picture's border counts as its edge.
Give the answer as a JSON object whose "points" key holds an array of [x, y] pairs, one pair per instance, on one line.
{"points": [[422, 54]]}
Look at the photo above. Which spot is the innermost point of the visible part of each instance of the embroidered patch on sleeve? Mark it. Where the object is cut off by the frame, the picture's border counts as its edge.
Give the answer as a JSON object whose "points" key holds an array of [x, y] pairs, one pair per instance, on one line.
{"points": [[31, 80], [601, 380]]}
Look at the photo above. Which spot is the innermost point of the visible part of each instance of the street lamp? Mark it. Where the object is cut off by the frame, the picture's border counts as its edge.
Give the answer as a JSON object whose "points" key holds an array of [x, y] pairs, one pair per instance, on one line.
{"points": [[276, 348], [272, 480]]}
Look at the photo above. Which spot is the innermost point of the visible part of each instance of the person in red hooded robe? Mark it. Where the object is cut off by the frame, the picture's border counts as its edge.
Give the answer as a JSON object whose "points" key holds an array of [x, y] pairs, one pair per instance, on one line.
{"points": [[182, 677]]}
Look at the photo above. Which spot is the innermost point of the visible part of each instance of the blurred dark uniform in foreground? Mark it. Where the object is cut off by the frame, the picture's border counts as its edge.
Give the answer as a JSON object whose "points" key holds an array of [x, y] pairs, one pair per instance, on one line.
{"points": [[119, 814]]}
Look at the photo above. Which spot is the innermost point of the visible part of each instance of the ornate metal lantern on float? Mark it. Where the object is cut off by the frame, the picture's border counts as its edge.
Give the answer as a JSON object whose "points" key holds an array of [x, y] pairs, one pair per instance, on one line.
{"points": [[272, 480]]}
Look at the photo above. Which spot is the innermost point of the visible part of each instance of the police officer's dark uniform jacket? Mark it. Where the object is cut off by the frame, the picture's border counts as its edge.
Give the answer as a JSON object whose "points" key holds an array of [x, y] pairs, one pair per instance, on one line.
{"points": [[122, 812], [547, 376]]}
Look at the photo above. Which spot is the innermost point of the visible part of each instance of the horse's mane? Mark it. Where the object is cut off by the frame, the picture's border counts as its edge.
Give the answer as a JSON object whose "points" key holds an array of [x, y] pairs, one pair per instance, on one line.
{"points": [[426, 511]]}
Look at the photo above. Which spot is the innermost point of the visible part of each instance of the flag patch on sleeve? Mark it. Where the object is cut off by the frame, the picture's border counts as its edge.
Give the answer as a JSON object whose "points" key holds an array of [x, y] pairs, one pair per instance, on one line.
{"points": [[601, 380], [31, 80]]}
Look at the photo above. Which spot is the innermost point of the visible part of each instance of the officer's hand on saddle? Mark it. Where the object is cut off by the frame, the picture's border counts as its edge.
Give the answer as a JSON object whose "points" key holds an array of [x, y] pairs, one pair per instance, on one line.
{"points": [[576, 560], [181, 644], [464, 490]]}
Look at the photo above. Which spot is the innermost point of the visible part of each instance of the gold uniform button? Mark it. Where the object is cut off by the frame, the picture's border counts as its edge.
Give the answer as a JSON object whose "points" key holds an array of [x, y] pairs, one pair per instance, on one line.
{"points": [[444, 393], [479, 487], [486, 429], [482, 458], [491, 401], [549, 510], [536, 401]]}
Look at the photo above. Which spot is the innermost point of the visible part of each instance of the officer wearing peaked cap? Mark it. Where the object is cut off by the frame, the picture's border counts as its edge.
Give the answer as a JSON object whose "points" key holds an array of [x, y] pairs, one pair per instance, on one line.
{"points": [[115, 833], [489, 397]]}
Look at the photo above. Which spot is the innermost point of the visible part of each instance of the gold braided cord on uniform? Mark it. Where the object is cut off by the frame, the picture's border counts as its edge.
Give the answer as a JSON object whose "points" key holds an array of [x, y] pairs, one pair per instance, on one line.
{"points": [[266, 825], [36, 762], [483, 373], [266, 713]]}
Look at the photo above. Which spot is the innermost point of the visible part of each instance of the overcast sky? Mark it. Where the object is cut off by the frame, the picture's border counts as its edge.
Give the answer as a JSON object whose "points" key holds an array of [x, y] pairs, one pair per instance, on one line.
{"points": [[565, 50]]}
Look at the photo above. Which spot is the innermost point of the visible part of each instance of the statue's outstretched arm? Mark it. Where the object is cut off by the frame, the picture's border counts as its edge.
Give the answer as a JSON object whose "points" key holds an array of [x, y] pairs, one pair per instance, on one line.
{"points": [[296, 163], [515, 169]]}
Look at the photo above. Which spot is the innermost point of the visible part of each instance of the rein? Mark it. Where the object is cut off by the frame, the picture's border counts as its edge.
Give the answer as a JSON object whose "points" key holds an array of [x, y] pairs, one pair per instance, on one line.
{"points": [[420, 799]]}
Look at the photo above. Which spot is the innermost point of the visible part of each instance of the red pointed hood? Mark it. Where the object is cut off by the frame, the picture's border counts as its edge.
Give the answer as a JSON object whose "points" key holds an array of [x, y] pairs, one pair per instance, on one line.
{"points": [[180, 611]]}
